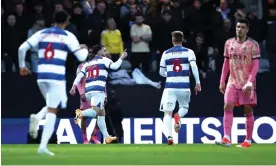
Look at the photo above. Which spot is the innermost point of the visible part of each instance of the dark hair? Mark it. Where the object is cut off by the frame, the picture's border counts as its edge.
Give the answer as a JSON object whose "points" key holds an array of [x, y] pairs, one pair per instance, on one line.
{"points": [[139, 13], [61, 17], [95, 49], [177, 36], [244, 21]]}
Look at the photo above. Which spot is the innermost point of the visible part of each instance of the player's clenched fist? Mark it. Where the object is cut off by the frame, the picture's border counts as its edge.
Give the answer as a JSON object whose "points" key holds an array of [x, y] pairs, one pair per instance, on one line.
{"points": [[73, 90], [197, 88], [124, 54], [24, 71], [222, 88]]}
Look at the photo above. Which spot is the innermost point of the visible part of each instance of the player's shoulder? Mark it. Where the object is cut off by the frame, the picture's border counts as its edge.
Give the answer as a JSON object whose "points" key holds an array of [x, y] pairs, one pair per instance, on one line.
{"points": [[230, 40], [252, 41], [70, 34]]}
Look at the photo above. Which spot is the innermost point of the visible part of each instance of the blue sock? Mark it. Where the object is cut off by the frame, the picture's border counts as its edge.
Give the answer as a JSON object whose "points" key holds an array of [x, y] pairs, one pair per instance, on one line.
{"points": [[89, 113], [102, 126]]}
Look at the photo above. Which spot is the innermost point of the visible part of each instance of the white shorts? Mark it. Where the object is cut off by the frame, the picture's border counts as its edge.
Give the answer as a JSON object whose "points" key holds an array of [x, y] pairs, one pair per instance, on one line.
{"points": [[169, 99], [54, 94], [96, 99]]}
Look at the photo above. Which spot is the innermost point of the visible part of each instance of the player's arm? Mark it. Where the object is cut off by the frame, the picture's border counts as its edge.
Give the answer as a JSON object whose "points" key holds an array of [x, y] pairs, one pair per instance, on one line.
{"points": [[75, 47], [115, 65], [77, 80], [192, 61], [255, 64], [32, 42], [80, 86], [226, 65], [162, 70]]}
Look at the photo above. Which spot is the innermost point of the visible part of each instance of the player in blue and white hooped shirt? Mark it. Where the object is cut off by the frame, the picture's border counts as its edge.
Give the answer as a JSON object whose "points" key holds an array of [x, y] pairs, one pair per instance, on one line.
{"points": [[175, 65], [96, 74], [53, 44]]}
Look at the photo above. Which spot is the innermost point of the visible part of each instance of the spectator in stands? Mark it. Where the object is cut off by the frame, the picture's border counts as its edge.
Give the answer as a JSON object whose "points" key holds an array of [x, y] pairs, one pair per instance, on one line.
{"points": [[112, 40], [96, 23], [38, 25], [37, 10], [224, 10], [22, 21], [257, 27], [141, 36], [269, 10], [200, 49], [220, 37], [193, 18], [10, 43], [271, 48], [78, 17], [127, 21], [162, 30], [125, 8], [149, 10], [88, 6]]}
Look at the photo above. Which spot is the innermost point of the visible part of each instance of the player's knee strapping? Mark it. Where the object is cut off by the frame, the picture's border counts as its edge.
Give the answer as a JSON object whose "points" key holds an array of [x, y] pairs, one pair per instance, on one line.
{"points": [[182, 111]]}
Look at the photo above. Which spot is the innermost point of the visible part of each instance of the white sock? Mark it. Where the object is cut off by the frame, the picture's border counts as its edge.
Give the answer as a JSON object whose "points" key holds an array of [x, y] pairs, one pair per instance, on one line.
{"points": [[226, 136], [182, 112], [249, 141], [41, 114], [89, 113], [48, 129], [168, 124], [102, 126]]}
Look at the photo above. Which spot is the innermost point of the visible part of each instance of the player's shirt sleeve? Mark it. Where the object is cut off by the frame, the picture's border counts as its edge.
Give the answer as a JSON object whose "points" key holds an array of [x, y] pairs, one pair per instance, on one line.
{"points": [[226, 52], [107, 62], [256, 51], [34, 40], [112, 65], [83, 69], [163, 60], [79, 68], [191, 56], [74, 46]]}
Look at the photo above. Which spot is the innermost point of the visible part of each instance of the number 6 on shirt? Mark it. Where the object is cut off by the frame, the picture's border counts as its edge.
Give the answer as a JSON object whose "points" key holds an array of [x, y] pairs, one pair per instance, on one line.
{"points": [[49, 50], [93, 71]]}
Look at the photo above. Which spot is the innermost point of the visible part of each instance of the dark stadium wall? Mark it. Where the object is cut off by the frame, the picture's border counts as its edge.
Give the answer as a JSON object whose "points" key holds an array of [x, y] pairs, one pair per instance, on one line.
{"points": [[21, 97]]}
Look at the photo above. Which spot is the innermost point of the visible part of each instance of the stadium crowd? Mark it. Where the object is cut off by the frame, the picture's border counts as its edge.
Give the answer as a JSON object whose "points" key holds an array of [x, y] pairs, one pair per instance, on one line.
{"points": [[207, 24]]}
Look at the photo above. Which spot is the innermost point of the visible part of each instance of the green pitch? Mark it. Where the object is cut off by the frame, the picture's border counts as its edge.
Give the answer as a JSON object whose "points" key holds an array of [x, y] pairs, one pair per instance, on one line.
{"points": [[197, 154]]}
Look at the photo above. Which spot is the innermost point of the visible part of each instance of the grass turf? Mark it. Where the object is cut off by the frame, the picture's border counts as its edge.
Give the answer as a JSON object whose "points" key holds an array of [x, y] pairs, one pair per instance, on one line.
{"points": [[195, 154]]}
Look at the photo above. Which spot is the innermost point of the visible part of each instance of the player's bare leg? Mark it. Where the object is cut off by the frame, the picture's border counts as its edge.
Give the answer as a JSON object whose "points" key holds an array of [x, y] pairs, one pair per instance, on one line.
{"points": [[83, 130], [177, 118], [48, 130], [249, 125], [94, 136], [102, 125], [34, 120], [227, 125], [168, 126]]}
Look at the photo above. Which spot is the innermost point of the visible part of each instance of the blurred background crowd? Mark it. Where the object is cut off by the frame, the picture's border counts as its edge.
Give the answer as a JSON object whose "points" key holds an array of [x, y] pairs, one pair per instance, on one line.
{"points": [[207, 24]]}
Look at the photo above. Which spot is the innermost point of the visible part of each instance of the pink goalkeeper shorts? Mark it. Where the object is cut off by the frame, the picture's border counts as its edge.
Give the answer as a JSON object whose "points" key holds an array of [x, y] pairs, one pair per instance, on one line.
{"points": [[236, 96]]}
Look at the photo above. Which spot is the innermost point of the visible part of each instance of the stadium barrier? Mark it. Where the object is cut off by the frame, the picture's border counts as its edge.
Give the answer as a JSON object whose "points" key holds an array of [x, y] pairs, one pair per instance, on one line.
{"points": [[149, 130]]}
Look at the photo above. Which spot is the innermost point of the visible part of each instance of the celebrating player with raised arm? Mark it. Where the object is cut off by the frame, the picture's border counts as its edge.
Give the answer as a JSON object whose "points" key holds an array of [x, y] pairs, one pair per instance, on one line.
{"points": [[85, 104], [242, 56], [54, 44], [96, 75], [175, 65]]}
